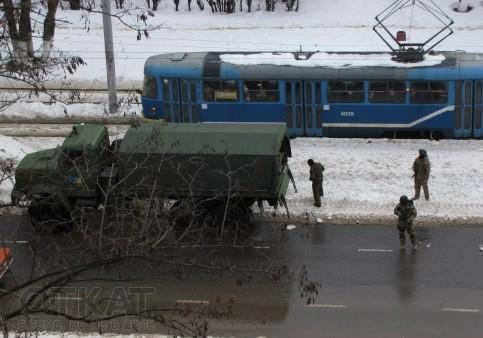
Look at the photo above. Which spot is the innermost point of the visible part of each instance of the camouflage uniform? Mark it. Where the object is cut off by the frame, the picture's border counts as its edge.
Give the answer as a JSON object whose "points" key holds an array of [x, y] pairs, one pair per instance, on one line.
{"points": [[317, 178], [406, 213], [421, 169]]}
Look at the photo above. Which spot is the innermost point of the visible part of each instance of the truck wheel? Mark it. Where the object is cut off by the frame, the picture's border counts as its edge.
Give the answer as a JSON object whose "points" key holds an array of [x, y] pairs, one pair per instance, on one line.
{"points": [[239, 219], [180, 218], [48, 216]]}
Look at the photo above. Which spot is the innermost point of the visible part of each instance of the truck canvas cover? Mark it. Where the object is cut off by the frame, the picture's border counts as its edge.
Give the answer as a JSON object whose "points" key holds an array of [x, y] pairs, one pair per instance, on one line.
{"points": [[237, 158]]}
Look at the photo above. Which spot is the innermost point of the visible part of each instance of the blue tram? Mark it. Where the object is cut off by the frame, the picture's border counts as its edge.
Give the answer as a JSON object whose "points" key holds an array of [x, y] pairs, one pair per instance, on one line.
{"points": [[321, 94]]}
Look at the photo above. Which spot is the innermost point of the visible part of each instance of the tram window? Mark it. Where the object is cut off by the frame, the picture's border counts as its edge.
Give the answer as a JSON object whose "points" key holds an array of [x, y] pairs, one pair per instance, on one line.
{"points": [[458, 93], [467, 118], [288, 112], [387, 92], [478, 117], [318, 94], [149, 86], [186, 113], [308, 93], [318, 123], [308, 117], [429, 92], [288, 92], [298, 93], [177, 112], [346, 92], [457, 117], [220, 91], [184, 91], [468, 92], [298, 117], [261, 91], [479, 92], [174, 90], [193, 90], [196, 112], [166, 96], [167, 111]]}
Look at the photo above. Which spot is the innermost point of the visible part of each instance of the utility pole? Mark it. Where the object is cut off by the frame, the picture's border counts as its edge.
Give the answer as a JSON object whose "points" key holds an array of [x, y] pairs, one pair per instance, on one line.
{"points": [[109, 49]]}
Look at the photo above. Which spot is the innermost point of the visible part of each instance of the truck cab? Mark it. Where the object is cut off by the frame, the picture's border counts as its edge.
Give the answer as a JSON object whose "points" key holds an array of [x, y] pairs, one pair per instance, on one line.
{"points": [[83, 155], [52, 182]]}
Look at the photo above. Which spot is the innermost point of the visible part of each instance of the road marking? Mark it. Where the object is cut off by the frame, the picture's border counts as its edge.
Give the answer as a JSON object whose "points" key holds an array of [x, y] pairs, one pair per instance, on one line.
{"points": [[449, 309], [14, 242], [261, 247], [335, 306], [66, 298], [374, 250], [192, 301]]}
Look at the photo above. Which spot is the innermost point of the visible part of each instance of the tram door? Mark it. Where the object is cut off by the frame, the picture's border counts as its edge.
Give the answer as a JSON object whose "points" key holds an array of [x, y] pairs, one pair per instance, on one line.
{"points": [[313, 108], [464, 109], [294, 107], [478, 112], [179, 100]]}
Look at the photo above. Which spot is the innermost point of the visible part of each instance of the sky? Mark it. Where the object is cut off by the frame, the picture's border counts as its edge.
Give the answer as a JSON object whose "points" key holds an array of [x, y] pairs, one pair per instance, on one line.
{"points": [[364, 178]]}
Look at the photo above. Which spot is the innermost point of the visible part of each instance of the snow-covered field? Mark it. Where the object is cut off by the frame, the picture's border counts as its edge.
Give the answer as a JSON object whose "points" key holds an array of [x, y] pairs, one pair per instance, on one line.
{"points": [[363, 178]]}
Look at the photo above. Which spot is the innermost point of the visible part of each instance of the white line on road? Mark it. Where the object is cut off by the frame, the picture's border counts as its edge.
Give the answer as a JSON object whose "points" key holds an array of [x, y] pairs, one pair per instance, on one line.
{"points": [[336, 306], [192, 301], [374, 250], [261, 247], [449, 309], [66, 298], [13, 242]]}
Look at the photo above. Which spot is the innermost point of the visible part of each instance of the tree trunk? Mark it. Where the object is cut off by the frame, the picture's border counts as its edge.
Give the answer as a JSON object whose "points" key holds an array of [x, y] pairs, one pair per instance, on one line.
{"points": [[49, 29], [12, 25], [25, 30]]}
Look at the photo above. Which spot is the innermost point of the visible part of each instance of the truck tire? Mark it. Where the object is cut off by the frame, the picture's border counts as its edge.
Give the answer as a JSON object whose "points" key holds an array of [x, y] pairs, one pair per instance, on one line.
{"points": [[49, 215]]}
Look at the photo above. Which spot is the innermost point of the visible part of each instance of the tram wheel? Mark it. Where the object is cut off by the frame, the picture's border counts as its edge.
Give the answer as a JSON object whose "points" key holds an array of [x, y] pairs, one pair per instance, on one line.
{"points": [[389, 134], [436, 135]]}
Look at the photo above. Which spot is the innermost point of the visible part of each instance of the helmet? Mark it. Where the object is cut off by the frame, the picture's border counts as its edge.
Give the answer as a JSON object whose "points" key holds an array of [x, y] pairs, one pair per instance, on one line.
{"points": [[422, 153], [310, 162], [403, 199]]}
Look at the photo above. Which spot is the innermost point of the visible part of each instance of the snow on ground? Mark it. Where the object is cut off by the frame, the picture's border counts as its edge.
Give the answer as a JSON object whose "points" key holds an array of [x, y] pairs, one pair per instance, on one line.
{"points": [[363, 178]]}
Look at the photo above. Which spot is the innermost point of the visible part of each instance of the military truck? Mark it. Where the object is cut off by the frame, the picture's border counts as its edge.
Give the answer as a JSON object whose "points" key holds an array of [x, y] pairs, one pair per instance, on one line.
{"points": [[220, 169]]}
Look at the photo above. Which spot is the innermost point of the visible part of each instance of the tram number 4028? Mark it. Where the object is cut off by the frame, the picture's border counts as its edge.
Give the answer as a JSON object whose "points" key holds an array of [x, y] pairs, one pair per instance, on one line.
{"points": [[347, 113]]}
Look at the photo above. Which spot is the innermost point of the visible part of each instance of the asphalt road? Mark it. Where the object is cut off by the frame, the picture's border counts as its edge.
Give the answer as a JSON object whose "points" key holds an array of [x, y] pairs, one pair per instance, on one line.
{"points": [[368, 288]]}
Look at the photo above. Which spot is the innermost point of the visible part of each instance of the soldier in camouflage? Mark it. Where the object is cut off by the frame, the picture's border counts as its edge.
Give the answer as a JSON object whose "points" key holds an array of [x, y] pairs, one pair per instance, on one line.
{"points": [[421, 169], [317, 178], [406, 213]]}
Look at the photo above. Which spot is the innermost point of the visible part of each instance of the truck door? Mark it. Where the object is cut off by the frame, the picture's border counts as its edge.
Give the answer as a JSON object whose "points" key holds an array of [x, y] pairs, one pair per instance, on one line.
{"points": [[294, 107], [463, 109], [478, 111]]}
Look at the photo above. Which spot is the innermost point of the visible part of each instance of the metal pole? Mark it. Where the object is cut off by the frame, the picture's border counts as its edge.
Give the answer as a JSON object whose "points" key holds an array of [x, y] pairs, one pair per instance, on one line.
{"points": [[109, 49]]}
